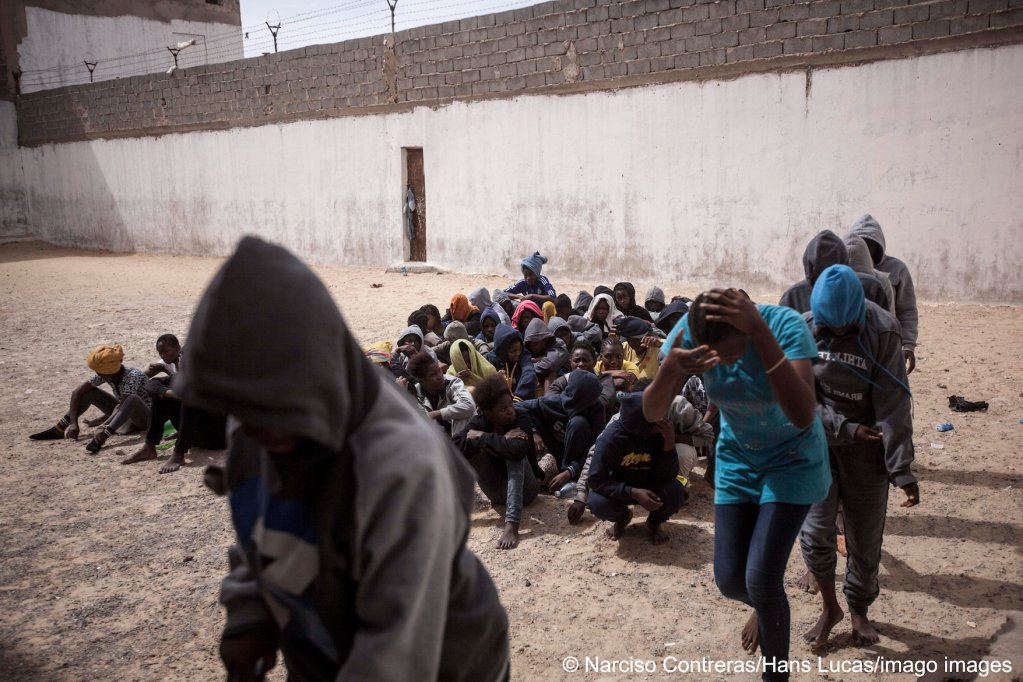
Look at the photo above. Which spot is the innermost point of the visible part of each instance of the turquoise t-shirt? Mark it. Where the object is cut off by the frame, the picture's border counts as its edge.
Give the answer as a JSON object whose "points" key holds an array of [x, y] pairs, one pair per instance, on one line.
{"points": [[761, 456]]}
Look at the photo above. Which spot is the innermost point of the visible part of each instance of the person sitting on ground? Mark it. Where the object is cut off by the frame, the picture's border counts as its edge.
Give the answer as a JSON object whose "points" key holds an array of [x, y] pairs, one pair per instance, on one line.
{"points": [[433, 332], [566, 424], [351, 513], [468, 365], [504, 306], [549, 354], [127, 408], [533, 286], [410, 342], [670, 315], [582, 303], [902, 284], [564, 333], [603, 313], [514, 362], [563, 306], [692, 436], [583, 358], [642, 345], [866, 407], [654, 302], [484, 341], [454, 331], [861, 261], [498, 442], [194, 427], [443, 398], [612, 362], [459, 309], [526, 312], [634, 461], [586, 330], [625, 300]]}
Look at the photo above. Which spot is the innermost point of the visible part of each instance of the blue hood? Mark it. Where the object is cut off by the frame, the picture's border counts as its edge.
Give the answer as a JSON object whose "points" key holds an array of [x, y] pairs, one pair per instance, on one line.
{"points": [[503, 336], [837, 299], [583, 391]]}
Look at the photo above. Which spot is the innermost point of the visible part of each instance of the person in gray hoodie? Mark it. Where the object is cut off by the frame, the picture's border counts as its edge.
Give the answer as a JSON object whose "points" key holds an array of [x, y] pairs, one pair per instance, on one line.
{"points": [[862, 263], [826, 249], [866, 408], [351, 511], [550, 355], [902, 283]]}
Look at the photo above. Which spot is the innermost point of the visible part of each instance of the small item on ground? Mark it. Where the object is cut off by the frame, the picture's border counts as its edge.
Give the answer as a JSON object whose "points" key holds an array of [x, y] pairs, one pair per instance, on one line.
{"points": [[957, 403], [376, 285], [945, 426]]}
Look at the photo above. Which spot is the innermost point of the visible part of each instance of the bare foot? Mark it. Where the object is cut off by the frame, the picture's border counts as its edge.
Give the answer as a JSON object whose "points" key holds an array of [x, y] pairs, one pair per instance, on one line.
{"points": [[840, 545], [174, 463], [864, 633], [750, 634], [615, 531], [510, 538], [808, 583], [819, 633], [657, 535], [146, 452]]}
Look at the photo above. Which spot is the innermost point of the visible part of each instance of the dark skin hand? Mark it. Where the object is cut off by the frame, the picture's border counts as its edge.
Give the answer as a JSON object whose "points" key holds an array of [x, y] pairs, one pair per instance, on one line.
{"points": [[247, 653], [575, 512], [912, 491], [560, 480], [866, 434], [910, 360], [647, 499]]}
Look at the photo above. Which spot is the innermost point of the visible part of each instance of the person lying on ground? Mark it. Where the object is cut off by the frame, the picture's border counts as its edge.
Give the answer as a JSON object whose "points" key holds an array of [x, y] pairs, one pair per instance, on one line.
{"points": [[127, 409], [498, 443]]}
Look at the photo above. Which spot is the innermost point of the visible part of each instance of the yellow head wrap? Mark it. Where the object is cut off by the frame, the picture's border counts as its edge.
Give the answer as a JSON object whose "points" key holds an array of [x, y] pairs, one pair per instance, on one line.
{"points": [[106, 359]]}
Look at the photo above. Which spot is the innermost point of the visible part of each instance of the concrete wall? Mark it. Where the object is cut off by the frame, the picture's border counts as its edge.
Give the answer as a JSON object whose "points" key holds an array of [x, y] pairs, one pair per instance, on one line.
{"points": [[13, 206], [122, 46], [708, 182]]}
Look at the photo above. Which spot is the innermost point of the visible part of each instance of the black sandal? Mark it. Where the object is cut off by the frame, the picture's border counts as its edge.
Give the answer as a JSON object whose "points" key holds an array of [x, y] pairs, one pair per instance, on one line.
{"points": [[97, 442]]}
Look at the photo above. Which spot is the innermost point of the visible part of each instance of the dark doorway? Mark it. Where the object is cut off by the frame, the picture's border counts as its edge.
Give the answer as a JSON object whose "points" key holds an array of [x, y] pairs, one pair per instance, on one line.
{"points": [[416, 231]]}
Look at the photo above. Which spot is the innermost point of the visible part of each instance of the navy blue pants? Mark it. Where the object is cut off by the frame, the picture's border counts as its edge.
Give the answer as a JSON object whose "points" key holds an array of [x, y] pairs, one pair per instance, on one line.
{"points": [[672, 494], [752, 545]]}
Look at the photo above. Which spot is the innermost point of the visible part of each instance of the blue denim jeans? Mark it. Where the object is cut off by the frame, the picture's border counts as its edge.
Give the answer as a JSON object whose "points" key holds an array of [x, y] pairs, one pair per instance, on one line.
{"points": [[752, 545]]}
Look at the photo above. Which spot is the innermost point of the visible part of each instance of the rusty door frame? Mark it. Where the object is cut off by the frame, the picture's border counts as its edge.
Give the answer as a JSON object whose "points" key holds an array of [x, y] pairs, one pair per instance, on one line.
{"points": [[406, 242]]}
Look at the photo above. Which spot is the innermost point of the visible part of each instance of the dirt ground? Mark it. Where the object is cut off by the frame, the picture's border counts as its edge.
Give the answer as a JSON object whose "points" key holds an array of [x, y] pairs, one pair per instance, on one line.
{"points": [[110, 572]]}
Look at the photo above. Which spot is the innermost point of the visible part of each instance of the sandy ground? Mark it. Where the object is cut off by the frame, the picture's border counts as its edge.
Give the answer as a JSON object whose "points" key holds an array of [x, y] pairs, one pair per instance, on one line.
{"points": [[110, 572]]}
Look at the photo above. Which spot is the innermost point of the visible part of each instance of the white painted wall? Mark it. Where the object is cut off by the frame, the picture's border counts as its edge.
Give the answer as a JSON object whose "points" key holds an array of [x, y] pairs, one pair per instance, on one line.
{"points": [[708, 183], [52, 53], [13, 207]]}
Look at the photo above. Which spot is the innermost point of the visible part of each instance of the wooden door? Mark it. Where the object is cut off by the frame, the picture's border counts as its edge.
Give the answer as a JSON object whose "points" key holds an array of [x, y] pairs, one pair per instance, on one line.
{"points": [[417, 181]]}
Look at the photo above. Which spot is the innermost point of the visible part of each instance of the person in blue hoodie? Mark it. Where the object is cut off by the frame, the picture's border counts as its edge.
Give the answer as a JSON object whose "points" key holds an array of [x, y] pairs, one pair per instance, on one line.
{"points": [[634, 462], [902, 283], [771, 456], [484, 341], [568, 423], [866, 408], [512, 359]]}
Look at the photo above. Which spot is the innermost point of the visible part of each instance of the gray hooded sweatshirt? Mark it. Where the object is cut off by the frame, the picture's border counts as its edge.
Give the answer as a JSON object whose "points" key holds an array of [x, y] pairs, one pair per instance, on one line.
{"points": [[860, 261], [825, 249], [905, 295], [352, 545]]}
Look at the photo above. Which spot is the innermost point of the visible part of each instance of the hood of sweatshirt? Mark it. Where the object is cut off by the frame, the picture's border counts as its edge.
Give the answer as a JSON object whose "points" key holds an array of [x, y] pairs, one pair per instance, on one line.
{"points": [[503, 337], [415, 331], [537, 330], [664, 321], [298, 370], [582, 301], [628, 288], [480, 298], [522, 307], [826, 248], [837, 299], [582, 391], [869, 230], [630, 414], [859, 254], [454, 331]]}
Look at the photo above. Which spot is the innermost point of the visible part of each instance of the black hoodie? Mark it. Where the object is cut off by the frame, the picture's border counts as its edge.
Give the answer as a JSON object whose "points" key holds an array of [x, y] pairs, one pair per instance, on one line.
{"points": [[353, 545], [824, 250], [633, 309]]}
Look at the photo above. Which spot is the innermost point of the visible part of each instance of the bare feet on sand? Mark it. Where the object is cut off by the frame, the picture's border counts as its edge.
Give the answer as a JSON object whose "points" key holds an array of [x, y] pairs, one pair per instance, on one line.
{"points": [[146, 452], [819, 633], [750, 634], [510, 538], [174, 463], [615, 531], [863, 631], [657, 535], [808, 583], [840, 545]]}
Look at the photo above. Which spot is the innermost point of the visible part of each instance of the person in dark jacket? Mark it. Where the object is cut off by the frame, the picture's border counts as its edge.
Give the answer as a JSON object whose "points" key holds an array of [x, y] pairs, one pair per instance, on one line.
{"points": [[824, 250], [351, 511], [568, 423], [866, 408], [549, 353], [634, 462], [498, 443], [625, 300], [514, 361]]}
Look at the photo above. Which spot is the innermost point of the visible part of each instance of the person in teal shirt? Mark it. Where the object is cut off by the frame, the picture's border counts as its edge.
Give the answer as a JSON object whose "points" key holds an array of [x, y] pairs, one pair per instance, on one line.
{"points": [[772, 460]]}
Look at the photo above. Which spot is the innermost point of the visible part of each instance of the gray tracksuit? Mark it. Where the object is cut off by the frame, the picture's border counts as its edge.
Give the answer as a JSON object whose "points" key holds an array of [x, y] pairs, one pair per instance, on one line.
{"points": [[853, 389]]}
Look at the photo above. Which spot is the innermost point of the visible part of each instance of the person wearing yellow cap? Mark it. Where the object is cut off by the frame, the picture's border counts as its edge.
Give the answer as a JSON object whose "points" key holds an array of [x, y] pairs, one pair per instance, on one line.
{"points": [[128, 406]]}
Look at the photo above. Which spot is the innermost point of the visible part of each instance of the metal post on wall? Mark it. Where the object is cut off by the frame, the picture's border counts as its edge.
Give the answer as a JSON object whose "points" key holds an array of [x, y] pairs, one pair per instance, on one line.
{"points": [[391, 4], [273, 16], [90, 63]]}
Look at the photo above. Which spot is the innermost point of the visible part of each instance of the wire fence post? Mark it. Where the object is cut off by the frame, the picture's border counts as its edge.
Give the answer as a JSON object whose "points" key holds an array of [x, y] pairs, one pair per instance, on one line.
{"points": [[91, 66], [391, 4]]}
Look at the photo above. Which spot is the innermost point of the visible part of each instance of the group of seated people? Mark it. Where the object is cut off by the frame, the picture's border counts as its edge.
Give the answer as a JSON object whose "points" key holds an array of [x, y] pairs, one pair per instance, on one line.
{"points": [[139, 400]]}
